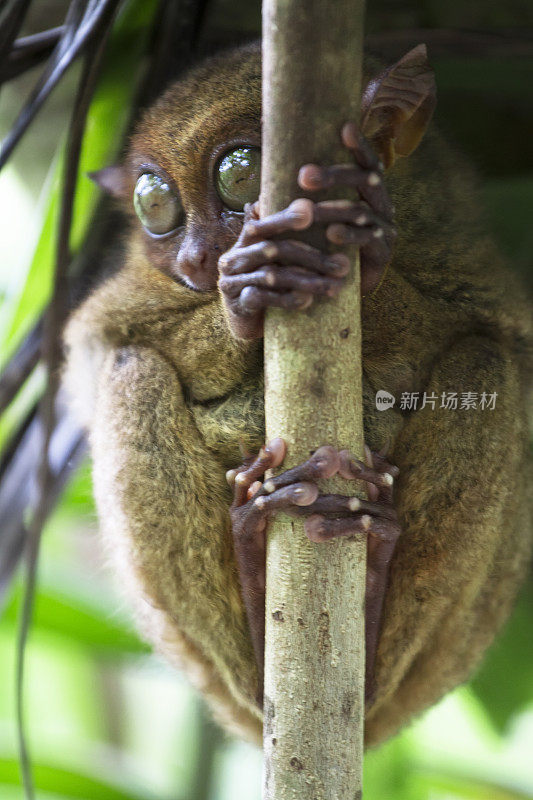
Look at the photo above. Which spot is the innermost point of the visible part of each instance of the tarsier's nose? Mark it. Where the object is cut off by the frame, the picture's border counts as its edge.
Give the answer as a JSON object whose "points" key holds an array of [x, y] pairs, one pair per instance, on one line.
{"points": [[197, 263]]}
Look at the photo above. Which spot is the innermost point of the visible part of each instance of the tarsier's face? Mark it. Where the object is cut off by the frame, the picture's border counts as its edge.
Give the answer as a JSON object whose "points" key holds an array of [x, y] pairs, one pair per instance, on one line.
{"points": [[193, 164], [194, 160], [233, 180]]}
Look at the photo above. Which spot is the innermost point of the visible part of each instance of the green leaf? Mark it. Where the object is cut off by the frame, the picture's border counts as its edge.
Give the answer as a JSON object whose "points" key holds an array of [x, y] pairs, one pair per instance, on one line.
{"points": [[504, 684], [388, 770], [106, 124], [440, 786], [68, 784], [83, 621]]}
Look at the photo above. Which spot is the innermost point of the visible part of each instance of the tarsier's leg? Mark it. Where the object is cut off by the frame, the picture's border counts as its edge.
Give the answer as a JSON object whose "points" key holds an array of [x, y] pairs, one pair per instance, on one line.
{"points": [[328, 516], [163, 501]]}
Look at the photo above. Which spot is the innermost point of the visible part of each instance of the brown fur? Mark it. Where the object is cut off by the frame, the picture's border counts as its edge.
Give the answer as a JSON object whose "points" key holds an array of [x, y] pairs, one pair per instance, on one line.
{"points": [[169, 397]]}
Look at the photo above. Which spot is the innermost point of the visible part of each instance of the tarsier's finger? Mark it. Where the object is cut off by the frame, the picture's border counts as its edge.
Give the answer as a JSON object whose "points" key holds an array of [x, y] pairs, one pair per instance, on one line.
{"points": [[270, 456], [253, 299], [356, 223], [239, 260], [323, 464], [346, 211], [374, 191], [376, 250], [345, 234], [369, 185], [296, 217], [281, 278], [353, 139], [375, 235]]}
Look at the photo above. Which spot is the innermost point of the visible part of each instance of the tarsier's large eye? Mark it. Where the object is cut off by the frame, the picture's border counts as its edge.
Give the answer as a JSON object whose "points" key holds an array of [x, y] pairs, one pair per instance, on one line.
{"points": [[156, 204], [237, 177]]}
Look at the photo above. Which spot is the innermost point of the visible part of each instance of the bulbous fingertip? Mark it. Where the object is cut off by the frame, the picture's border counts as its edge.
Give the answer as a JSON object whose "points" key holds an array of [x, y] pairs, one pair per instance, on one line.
{"points": [[350, 134], [310, 177], [313, 527], [302, 213], [277, 448], [328, 459]]}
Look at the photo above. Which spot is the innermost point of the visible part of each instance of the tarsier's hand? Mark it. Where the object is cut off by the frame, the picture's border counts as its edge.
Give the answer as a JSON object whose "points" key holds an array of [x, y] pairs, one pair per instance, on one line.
{"points": [[263, 270]]}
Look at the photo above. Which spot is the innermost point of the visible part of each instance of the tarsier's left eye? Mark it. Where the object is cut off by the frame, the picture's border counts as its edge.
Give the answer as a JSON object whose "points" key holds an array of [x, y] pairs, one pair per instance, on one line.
{"points": [[237, 177], [156, 204]]}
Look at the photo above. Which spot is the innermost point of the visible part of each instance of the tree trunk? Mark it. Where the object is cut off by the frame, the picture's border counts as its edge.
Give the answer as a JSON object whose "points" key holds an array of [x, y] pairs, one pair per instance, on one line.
{"points": [[314, 658]]}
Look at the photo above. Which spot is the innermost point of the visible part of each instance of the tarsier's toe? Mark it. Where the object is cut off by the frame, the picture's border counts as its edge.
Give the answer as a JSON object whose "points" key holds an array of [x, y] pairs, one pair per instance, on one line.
{"points": [[348, 516], [296, 488], [296, 494], [323, 529], [245, 480], [377, 473], [291, 489], [321, 465]]}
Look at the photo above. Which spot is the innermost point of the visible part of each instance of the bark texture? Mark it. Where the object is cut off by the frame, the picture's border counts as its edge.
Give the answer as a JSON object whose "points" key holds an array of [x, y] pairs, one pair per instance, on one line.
{"points": [[314, 659]]}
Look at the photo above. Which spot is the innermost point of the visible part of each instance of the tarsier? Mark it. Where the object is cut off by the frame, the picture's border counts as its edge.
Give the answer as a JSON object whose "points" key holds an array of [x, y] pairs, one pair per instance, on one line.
{"points": [[165, 366]]}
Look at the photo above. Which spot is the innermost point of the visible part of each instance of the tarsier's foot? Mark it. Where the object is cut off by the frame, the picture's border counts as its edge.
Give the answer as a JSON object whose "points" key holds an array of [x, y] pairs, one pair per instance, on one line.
{"points": [[264, 270], [255, 501], [249, 519], [328, 516]]}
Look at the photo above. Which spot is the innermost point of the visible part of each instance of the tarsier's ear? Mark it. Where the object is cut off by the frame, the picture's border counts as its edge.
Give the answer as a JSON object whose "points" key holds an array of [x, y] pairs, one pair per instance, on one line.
{"points": [[112, 180], [397, 106]]}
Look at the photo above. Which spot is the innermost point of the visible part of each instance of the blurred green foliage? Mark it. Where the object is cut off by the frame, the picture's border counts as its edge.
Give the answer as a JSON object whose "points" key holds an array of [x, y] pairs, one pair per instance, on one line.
{"points": [[106, 718], [110, 110]]}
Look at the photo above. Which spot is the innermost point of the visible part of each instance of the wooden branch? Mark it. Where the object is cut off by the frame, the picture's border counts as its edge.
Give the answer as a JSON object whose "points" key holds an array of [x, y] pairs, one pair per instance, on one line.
{"points": [[314, 658]]}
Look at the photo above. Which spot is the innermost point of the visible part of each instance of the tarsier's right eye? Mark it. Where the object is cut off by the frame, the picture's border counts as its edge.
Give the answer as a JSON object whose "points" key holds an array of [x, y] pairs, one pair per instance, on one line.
{"points": [[238, 175], [156, 204]]}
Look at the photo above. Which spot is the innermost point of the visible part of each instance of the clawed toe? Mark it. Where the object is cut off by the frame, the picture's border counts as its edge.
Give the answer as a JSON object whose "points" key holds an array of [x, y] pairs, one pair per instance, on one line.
{"points": [[245, 479]]}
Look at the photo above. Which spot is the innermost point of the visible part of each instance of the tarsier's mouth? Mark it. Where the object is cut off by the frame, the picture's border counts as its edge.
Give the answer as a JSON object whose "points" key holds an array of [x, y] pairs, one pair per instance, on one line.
{"points": [[184, 281], [188, 283]]}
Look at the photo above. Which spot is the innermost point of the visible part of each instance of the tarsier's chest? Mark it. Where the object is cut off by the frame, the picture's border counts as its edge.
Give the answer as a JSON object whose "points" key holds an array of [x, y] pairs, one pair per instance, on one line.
{"points": [[235, 424]]}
